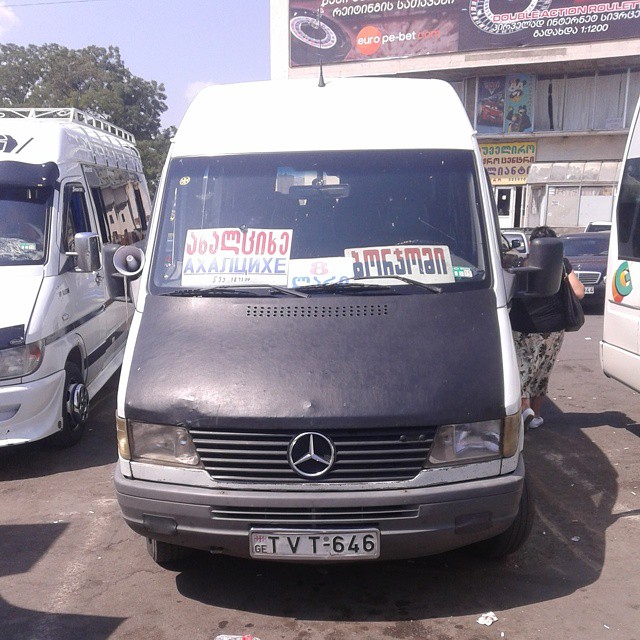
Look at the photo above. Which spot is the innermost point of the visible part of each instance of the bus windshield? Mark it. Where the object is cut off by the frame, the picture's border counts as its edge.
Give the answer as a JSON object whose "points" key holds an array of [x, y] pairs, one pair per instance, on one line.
{"points": [[24, 213], [308, 219]]}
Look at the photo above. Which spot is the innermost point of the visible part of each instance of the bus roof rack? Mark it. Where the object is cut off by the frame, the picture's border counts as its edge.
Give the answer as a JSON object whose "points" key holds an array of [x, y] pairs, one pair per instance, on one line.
{"points": [[69, 114]]}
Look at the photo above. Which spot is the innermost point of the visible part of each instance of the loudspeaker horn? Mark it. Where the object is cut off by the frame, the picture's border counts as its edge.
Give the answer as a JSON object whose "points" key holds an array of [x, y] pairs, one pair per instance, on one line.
{"points": [[128, 261]]}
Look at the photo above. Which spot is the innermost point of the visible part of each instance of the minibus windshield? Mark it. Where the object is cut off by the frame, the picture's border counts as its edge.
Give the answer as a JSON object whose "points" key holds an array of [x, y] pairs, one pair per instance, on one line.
{"points": [[24, 212], [314, 220]]}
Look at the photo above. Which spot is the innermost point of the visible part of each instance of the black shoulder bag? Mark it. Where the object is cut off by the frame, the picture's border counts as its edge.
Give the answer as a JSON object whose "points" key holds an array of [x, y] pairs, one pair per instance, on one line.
{"points": [[573, 312]]}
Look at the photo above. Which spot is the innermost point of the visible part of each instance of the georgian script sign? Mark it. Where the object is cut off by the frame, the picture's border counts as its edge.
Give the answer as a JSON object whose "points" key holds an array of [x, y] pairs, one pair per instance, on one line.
{"points": [[508, 163], [236, 256]]}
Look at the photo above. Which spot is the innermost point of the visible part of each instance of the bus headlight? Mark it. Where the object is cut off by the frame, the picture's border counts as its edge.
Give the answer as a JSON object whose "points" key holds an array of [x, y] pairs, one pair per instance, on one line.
{"points": [[475, 441], [159, 443], [18, 362]]}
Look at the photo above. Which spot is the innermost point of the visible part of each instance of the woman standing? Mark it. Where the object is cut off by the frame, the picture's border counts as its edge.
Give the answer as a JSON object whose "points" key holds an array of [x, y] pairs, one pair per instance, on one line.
{"points": [[538, 331]]}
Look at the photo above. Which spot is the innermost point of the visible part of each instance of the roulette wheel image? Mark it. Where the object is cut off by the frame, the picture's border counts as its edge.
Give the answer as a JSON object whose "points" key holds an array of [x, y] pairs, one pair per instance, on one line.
{"points": [[316, 38], [483, 16]]}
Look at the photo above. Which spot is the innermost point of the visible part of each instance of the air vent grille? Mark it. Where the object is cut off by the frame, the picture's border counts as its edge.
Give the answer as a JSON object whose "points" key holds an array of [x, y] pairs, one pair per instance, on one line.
{"points": [[318, 311], [311, 516]]}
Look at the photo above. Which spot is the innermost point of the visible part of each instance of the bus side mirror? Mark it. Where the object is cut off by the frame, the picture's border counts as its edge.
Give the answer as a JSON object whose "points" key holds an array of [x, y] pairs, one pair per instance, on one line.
{"points": [[542, 274], [87, 252]]}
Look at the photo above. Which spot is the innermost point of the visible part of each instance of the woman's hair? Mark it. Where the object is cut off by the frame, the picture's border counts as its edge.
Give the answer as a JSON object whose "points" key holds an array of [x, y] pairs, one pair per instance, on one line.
{"points": [[543, 232]]}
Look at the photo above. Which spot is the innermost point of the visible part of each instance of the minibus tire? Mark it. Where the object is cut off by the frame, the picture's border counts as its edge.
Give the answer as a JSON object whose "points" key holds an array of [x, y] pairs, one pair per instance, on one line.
{"points": [[167, 555], [516, 535], [72, 425]]}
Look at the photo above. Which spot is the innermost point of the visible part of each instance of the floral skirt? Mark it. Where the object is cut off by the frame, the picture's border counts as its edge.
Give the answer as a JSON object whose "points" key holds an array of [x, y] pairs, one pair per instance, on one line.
{"points": [[537, 353]]}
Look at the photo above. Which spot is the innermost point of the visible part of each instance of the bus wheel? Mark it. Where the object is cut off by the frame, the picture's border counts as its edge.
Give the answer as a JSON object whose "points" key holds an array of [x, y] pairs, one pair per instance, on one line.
{"points": [[516, 535], [167, 555], [75, 407]]}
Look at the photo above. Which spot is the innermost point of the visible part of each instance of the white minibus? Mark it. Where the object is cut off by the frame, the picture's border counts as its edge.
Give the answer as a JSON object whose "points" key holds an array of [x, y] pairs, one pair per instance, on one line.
{"points": [[320, 365], [620, 346], [72, 191]]}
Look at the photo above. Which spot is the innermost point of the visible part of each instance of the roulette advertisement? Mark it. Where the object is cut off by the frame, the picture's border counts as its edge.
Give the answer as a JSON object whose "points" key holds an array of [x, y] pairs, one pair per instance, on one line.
{"points": [[334, 31]]}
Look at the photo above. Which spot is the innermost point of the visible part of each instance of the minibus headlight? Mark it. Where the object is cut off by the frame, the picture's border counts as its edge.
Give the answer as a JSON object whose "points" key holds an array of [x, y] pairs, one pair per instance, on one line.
{"points": [[467, 442], [18, 362], [123, 438], [163, 444], [511, 435]]}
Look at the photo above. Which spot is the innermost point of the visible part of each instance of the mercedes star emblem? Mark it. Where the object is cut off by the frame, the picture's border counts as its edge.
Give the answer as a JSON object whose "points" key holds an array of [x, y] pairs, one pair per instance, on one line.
{"points": [[311, 455]]}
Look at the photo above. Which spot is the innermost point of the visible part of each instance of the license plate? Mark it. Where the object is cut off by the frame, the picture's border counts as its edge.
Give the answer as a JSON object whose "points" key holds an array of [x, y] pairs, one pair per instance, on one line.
{"points": [[306, 545], [588, 290]]}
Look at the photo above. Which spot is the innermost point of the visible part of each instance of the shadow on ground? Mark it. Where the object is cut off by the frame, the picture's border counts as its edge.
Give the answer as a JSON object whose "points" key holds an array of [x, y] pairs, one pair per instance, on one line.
{"points": [[576, 489], [97, 447], [22, 546]]}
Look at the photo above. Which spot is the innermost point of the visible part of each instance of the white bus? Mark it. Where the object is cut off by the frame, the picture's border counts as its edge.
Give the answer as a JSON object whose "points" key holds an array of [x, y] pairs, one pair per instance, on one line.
{"points": [[620, 346], [320, 365], [72, 191]]}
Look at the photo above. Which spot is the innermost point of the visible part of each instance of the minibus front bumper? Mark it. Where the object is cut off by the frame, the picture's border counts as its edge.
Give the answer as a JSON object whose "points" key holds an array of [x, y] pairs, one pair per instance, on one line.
{"points": [[411, 522], [30, 411]]}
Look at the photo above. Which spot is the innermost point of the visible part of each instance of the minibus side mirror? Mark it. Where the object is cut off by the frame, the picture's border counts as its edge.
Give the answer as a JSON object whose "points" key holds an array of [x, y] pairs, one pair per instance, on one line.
{"points": [[542, 274], [87, 252]]}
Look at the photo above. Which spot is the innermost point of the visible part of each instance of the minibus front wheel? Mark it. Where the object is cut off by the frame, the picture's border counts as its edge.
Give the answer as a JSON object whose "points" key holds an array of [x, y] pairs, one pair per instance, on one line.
{"points": [[516, 535], [75, 407], [167, 555]]}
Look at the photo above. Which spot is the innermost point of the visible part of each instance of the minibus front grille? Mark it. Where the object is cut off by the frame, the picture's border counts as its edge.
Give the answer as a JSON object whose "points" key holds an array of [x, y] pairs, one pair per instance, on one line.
{"points": [[361, 455]]}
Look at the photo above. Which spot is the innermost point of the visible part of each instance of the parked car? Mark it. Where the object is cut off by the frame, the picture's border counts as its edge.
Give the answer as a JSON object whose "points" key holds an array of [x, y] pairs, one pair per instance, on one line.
{"points": [[588, 253], [598, 225], [518, 240], [510, 256]]}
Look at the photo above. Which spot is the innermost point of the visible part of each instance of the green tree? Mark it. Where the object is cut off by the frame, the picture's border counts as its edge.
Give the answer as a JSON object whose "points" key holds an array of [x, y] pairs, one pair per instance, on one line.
{"points": [[153, 153], [93, 79]]}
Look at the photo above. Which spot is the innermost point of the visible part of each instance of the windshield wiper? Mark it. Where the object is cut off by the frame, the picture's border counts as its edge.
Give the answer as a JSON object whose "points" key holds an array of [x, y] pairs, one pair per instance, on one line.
{"points": [[423, 285], [344, 287], [210, 292], [243, 290]]}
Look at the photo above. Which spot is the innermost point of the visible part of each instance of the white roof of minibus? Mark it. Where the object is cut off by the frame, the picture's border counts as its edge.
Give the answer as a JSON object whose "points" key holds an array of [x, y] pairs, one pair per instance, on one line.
{"points": [[346, 114], [40, 140]]}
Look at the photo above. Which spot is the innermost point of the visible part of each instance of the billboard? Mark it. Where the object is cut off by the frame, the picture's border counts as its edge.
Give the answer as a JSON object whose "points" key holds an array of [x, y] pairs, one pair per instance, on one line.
{"points": [[509, 162], [357, 30]]}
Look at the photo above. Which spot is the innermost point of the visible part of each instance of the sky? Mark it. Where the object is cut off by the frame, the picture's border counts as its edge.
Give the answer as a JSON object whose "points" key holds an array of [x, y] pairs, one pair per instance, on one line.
{"points": [[183, 44]]}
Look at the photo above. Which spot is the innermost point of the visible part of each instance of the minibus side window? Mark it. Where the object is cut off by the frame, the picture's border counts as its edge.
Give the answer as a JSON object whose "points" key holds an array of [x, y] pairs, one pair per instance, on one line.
{"points": [[141, 218], [628, 212], [76, 218], [121, 213], [101, 210]]}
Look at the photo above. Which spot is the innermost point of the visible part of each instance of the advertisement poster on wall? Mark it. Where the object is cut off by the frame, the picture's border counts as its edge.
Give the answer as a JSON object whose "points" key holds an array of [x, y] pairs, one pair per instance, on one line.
{"points": [[490, 109], [519, 103], [335, 31]]}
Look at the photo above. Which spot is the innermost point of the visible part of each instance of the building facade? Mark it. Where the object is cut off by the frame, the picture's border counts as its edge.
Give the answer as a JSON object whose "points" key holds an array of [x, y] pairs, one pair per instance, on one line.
{"points": [[550, 85]]}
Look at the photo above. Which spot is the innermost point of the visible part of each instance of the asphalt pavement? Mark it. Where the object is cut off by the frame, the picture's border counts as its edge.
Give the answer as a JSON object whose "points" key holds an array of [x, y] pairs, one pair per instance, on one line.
{"points": [[70, 569]]}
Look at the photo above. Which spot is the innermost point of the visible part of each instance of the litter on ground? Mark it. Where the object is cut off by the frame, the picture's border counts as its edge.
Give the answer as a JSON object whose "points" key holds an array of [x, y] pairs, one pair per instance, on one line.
{"points": [[488, 618]]}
